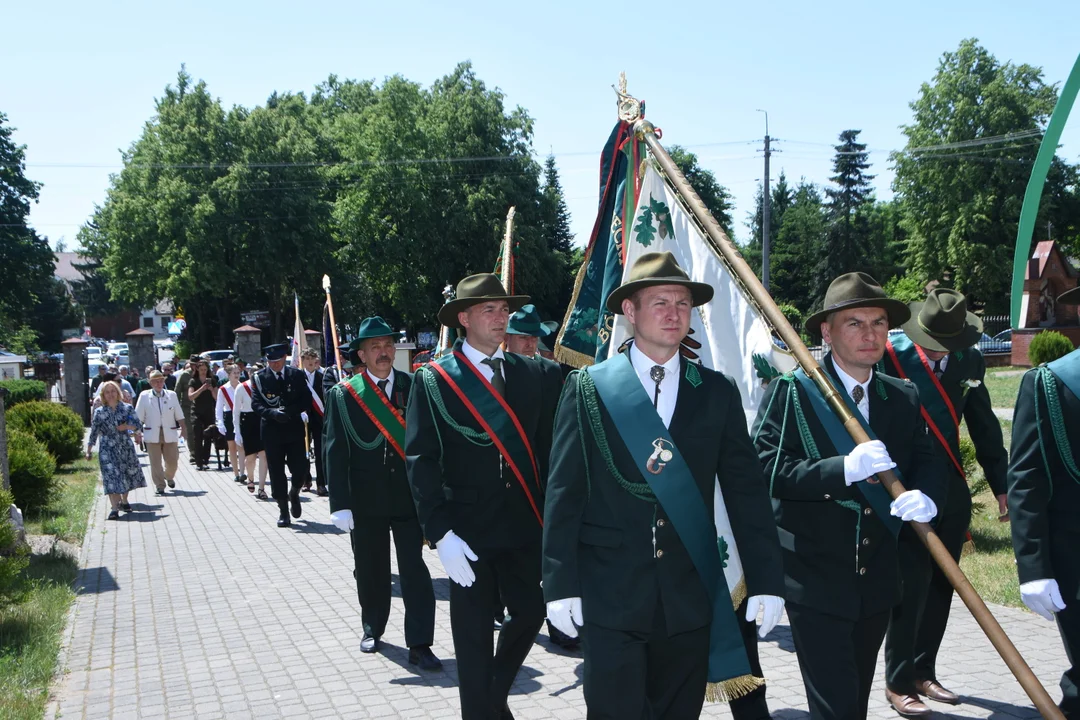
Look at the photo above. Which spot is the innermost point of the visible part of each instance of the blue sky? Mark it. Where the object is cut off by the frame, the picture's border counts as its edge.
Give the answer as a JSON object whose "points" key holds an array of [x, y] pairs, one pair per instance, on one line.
{"points": [[80, 78]]}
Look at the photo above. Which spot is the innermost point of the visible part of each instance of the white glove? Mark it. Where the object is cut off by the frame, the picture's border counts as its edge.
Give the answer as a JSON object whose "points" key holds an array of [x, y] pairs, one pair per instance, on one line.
{"points": [[1043, 597], [770, 605], [913, 506], [221, 429], [303, 416], [565, 615], [455, 554], [868, 458], [239, 440], [342, 519]]}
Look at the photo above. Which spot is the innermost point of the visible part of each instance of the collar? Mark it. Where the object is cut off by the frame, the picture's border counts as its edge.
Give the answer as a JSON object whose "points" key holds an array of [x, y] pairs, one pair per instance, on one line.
{"points": [[475, 356], [375, 381], [850, 382], [643, 364]]}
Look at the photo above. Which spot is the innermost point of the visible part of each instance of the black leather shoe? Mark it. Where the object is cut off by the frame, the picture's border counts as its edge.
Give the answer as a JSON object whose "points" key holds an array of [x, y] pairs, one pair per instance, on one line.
{"points": [[321, 492], [369, 644], [283, 520], [558, 637], [294, 505], [421, 655]]}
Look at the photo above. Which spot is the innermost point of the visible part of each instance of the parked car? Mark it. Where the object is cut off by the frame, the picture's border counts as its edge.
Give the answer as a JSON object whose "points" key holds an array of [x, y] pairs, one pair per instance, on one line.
{"points": [[1000, 343], [218, 355], [93, 352]]}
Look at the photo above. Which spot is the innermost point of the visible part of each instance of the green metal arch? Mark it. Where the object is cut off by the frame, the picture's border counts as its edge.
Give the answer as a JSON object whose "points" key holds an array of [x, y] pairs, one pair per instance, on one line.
{"points": [[1033, 194]]}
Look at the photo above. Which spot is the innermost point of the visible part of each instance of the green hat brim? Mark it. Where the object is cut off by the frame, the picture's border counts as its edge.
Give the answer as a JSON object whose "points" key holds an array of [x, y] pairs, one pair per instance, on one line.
{"points": [[700, 293], [898, 313], [448, 313], [922, 337]]}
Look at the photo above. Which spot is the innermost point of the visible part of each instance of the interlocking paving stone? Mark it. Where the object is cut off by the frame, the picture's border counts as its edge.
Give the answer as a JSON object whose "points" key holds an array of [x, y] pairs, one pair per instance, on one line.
{"points": [[198, 606]]}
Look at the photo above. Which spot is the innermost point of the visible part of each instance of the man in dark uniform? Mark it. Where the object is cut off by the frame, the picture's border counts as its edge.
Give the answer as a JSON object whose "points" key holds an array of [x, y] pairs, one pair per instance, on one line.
{"points": [[477, 440], [309, 360], [281, 399], [623, 557], [936, 352], [838, 532], [524, 333], [370, 495], [1044, 502]]}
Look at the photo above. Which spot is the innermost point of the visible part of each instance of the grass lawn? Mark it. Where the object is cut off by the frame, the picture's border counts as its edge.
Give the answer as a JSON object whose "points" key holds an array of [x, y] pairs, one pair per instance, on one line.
{"points": [[1003, 385], [32, 625]]}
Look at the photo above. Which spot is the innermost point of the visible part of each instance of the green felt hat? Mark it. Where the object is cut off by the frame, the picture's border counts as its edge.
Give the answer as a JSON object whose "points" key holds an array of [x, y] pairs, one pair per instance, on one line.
{"points": [[855, 290], [657, 268], [526, 321], [374, 327], [474, 290], [942, 323]]}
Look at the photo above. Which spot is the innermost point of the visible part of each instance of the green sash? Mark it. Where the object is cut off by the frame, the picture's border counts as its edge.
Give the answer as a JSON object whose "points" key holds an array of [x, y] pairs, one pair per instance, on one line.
{"points": [[1067, 370], [663, 467], [874, 493], [937, 409], [495, 416], [386, 418]]}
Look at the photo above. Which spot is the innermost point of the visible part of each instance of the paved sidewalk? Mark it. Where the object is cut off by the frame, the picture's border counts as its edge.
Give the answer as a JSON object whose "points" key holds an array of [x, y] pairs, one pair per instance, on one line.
{"points": [[197, 606]]}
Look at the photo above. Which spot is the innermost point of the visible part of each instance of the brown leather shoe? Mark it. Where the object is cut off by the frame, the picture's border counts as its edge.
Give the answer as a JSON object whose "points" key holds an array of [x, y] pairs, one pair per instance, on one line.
{"points": [[933, 690], [907, 705]]}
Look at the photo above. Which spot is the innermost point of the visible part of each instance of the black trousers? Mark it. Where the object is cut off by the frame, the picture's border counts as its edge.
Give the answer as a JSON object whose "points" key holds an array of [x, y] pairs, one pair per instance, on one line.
{"points": [[837, 658], [484, 679], [371, 551], [751, 706], [917, 624], [285, 445], [199, 444], [1068, 621], [644, 675], [315, 430]]}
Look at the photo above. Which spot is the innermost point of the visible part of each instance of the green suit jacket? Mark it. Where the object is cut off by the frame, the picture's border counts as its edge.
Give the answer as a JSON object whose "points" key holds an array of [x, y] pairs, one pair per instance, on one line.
{"points": [[840, 560], [598, 541], [368, 482], [972, 404], [1044, 499]]}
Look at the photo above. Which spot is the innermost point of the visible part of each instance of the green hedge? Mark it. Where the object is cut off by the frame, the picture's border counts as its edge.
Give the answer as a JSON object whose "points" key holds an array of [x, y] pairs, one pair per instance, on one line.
{"points": [[20, 391], [33, 469], [1048, 346], [55, 425]]}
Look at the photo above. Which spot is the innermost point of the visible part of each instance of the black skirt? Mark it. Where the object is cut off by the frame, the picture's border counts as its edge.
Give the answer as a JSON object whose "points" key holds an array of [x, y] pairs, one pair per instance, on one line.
{"points": [[250, 433], [230, 434]]}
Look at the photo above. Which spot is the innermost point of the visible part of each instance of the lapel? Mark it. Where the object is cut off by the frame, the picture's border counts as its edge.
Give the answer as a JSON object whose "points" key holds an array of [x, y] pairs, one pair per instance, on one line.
{"points": [[402, 388], [687, 406]]}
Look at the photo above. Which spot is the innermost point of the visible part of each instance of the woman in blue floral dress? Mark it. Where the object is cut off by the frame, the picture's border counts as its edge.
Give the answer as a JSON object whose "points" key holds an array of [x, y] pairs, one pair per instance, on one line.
{"points": [[120, 471]]}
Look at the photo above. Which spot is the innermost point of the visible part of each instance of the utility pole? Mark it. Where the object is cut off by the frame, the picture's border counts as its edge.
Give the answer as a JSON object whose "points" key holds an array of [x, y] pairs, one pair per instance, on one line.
{"points": [[766, 209]]}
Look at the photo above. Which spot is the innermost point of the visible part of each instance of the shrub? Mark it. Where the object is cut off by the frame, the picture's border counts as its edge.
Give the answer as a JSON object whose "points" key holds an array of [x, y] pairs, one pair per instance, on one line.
{"points": [[55, 425], [20, 391], [13, 558], [967, 455], [32, 470], [183, 349], [1048, 346]]}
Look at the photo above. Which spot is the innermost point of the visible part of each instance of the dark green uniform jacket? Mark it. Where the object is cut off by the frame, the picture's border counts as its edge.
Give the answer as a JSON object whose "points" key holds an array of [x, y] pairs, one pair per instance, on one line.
{"points": [[840, 559], [464, 486], [368, 482], [598, 538], [972, 404], [1044, 484]]}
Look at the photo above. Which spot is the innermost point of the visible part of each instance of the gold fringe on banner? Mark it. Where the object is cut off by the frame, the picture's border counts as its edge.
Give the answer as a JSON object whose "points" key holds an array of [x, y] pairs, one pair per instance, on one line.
{"points": [[733, 689], [738, 594]]}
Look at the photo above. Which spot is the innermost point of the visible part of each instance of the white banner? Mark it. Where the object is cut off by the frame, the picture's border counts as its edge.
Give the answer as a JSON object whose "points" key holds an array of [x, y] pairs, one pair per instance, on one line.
{"points": [[732, 335]]}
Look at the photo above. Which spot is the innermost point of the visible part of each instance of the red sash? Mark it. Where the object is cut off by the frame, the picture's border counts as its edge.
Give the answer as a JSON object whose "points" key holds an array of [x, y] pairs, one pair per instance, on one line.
{"points": [[227, 398], [247, 386]]}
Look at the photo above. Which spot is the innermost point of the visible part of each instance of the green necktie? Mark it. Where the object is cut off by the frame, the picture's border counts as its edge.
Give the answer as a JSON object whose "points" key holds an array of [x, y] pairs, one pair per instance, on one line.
{"points": [[497, 380]]}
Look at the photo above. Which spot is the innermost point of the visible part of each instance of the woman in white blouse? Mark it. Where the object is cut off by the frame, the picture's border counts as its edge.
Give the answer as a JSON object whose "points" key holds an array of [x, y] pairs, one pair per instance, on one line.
{"points": [[249, 438], [223, 416]]}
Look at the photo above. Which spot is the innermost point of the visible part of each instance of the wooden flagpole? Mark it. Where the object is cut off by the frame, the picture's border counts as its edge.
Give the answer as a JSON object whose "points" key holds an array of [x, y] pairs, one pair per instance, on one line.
{"points": [[810, 366], [333, 325], [506, 257]]}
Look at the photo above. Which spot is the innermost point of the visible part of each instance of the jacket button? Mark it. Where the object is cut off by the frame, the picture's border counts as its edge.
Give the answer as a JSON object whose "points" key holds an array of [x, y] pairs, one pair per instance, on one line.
{"points": [[866, 511], [866, 541], [660, 522], [507, 486], [862, 571], [659, 553], [828, 496]]}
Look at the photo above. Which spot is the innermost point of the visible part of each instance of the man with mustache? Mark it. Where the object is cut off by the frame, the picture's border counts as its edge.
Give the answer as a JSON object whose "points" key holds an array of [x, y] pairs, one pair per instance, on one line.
{"points": [[838, 527], [478, 434], [369, 492]]}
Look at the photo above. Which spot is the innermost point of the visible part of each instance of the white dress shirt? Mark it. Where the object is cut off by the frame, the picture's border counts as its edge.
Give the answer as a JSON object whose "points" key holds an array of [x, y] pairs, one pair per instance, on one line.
{"points": [[241, 405], [221, 406], [669, 386], [849, 385], [389, 381], [477, 358]]}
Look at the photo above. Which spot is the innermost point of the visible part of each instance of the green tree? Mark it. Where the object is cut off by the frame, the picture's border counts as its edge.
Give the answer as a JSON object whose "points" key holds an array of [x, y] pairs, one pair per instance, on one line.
{"points": [[26, 261], [716, 197], [963, 172], [847, 241], [556, 218], [797, 247], [782, 198]]}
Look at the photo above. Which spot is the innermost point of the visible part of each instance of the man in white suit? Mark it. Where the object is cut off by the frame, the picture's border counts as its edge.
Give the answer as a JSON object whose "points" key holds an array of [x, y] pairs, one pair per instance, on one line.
{"points": [[163, 423]]}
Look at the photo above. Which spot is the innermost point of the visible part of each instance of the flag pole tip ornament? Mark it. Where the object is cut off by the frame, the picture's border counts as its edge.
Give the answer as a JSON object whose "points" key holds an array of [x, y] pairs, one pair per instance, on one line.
{"points": [[630, 108], [474, 290], [374, 327], [856, 290], [526, 321], [276, 352], [657, 268], [942, 322], [326, 283]]}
